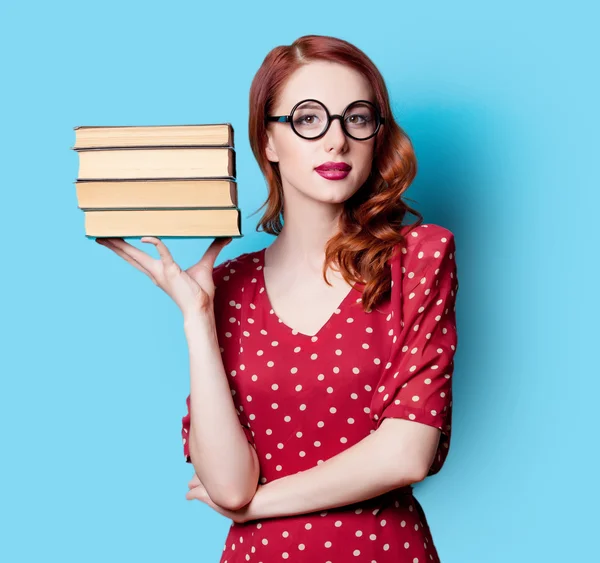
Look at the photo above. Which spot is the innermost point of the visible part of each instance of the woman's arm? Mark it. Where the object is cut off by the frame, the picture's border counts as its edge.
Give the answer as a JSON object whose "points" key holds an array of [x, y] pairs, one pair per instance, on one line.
{"points": [[397, 454], [223, 459]]}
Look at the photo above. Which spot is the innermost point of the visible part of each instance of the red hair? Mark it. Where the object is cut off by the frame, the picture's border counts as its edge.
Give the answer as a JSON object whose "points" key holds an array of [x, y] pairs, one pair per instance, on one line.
{"points": [[371, 221]]}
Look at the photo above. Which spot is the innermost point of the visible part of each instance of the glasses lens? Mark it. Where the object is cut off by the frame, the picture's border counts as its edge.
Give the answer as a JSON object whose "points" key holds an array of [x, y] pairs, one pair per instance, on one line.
{"points": [[309, 119], [361, 120]]}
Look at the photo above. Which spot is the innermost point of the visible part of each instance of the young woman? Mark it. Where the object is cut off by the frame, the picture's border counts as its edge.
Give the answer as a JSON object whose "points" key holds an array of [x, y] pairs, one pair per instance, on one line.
{"points": [[321, 366]]}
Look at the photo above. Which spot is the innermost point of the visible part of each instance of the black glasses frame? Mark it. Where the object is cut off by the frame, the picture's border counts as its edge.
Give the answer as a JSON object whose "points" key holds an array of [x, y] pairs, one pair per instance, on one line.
{"points": [[330, 118]]}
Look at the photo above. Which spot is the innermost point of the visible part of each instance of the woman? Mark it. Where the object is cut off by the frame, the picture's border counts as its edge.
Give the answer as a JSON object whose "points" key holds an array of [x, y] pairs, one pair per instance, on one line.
{"points": [[321, 366]]}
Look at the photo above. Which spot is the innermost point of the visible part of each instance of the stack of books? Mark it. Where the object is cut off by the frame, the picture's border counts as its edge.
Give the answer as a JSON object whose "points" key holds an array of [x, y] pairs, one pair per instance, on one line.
{"points": [[162, 181]]}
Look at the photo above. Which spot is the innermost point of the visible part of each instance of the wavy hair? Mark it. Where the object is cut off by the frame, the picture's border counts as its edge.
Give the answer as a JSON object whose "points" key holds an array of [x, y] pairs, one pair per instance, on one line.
{"points": [[371, 220]]}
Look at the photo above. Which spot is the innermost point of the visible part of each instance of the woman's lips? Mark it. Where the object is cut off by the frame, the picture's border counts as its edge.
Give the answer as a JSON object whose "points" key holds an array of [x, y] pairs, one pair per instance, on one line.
{"points": [[333, 174]]}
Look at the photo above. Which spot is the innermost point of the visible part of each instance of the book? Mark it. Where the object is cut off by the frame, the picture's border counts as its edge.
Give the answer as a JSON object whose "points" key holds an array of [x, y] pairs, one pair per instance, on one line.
{"points": [[136, 193], [156, 163], [216, 222], [117, 136]]}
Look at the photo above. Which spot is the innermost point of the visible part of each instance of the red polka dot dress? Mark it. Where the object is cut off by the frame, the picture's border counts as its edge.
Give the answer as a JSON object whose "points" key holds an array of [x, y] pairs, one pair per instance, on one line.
{"points": [[302, 399]]}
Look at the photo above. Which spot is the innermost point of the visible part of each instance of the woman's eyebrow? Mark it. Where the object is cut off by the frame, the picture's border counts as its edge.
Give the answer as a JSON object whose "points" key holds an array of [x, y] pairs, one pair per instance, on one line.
{"points": [[310, 105]]}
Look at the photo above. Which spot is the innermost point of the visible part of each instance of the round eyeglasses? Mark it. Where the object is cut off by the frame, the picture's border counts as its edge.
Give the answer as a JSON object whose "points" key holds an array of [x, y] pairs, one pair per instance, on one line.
{"points": [[310, 119]]}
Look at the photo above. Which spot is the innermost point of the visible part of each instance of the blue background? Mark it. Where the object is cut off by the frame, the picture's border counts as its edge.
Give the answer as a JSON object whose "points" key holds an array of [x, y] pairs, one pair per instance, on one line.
{"points": [[500, 103]]}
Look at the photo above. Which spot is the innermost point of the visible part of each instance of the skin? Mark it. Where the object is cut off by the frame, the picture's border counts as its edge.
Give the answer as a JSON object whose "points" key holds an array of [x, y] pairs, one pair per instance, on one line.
{"points": [[401, 450], [310, 199]]}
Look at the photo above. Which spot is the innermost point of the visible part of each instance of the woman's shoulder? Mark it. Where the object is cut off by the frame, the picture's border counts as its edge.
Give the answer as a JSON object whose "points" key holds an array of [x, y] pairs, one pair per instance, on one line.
{"points": [[423, 237], [236, 267], [426, 233], [426, 245], [246, 258]]}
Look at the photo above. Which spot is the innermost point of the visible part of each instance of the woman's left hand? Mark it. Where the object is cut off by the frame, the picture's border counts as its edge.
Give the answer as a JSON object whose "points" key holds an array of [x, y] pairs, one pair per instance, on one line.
{"points": [[198, 492]]}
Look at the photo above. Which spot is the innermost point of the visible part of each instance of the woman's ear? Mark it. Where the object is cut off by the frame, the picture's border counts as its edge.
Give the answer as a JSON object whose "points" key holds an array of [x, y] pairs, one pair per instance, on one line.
{"points": [[270, 149]]}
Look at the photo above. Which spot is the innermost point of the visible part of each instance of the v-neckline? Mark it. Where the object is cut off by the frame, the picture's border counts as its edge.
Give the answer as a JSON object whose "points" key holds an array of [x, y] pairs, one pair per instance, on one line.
{"points": [[294, 331]]}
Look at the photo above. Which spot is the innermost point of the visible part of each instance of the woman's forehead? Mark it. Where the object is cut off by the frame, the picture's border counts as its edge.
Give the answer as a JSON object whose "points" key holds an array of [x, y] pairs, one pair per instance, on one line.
{"points": [[333, 84]]}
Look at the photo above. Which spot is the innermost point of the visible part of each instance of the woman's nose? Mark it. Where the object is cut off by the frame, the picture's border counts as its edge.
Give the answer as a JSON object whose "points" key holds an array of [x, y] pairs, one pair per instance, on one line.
{"points": [[335, 135]]}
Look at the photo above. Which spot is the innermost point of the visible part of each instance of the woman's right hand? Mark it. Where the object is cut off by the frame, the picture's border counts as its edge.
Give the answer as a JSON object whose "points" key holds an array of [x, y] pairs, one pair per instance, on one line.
{"points": [[193, 290]]}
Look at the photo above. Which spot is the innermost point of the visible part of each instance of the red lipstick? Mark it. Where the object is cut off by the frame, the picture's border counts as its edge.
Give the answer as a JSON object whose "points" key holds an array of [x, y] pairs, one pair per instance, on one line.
{"points": [[333, 170]]}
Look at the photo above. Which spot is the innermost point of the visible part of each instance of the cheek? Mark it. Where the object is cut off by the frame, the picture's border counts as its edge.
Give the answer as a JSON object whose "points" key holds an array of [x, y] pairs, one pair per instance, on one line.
{"points": [[365, 161], [295, 155]]}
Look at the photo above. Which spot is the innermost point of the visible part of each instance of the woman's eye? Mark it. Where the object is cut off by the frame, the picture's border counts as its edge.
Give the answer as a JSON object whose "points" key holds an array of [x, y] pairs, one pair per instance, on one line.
{"points": [[307, 119], [356, 119]]}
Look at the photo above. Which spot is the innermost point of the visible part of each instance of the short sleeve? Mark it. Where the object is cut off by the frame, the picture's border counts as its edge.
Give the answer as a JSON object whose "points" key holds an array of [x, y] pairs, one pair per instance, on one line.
{"points": [[220, 275], [417, 380]]}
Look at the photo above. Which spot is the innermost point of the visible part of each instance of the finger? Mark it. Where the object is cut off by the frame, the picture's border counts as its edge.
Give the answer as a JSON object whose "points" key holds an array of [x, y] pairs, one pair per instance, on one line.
{"points": [[196, 493], [194, 483], [145, 260], [210, 256], [163, 251], [215, 248], [126, 257]]}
